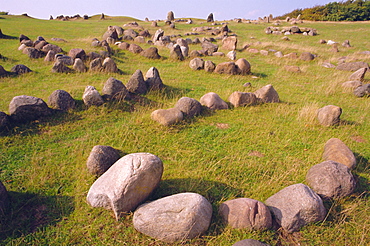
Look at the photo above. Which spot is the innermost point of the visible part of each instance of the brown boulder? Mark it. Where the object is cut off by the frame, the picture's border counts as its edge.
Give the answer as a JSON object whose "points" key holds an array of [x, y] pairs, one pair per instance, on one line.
{"points": [[336, 150]]}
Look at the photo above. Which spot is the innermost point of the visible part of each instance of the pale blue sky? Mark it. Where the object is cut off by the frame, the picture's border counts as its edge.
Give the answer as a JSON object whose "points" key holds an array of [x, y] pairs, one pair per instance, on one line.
{"points": [[157, 9]]}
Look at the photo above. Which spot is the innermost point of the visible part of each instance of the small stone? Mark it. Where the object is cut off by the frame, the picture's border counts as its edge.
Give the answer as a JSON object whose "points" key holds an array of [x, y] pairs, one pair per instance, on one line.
{"points": [[307, 56], [167, 117], [336, 150], [101, 158], [267, 94], [226, 68], [61, 100], [92, 97], [153, 79], [189, 106], [240, 99], [213, 101], [329, 115], [293, 69], [137, 84], [363, 90], [209, 66], [358, 75], [196, 64], [114, 89]]}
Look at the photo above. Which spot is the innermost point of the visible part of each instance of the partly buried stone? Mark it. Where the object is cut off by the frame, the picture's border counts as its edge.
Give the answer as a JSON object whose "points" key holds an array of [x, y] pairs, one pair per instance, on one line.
{"points": [[196, 63], [176, 53], [136, 49], [151, 53], [4, 200], [33, 53], [329, 115], [358, 75], [189, 106], [244, 67], [20, 69], [65, 60], [4, 122], [295, 206], [209, 66], [352, 66], [167, 117], [240, 99], [246, 213], [293, 69], [137, 84], [50, 56], [153, 79], [59, 67], [267, 94], [336, 150], [226, 68], [124, 46], [249, 242], [77, 53], [79, 66], [352, 84], [101, 158], [213, 101], [127, 183], [363, 90], [307, 56], [96, 64], [91, 97], [115, 89], [174, 218], [331, 179], [209, 48], [3, 72], [28, 108], [109, 65], [61, 100]]}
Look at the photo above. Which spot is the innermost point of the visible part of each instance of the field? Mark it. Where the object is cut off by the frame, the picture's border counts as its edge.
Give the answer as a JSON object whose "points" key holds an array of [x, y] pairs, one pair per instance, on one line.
{"points": [[241, 152]]}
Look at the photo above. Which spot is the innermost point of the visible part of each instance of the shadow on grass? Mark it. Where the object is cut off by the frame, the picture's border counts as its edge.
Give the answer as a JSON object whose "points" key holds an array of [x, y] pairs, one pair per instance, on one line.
{"points": [[29, 212]]}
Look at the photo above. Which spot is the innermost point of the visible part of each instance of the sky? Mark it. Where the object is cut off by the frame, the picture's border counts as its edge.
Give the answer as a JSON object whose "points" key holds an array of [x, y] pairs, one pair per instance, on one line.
{"points": [[157, 9]]}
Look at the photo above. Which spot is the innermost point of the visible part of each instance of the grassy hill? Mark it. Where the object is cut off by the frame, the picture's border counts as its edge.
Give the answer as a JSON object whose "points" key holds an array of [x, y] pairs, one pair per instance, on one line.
{"points": [[241, 152]]}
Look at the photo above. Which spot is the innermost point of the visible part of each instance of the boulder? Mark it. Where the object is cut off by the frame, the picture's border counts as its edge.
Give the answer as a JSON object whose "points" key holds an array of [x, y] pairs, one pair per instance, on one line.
{"points": [[267, 94], [363, 90], [294, 55], [131, 33], [110, 33], [174, 218], [4, 200], [229, 43], [209, 47], [127, 183], [189, 106], [210, 18], [170, 16], [209, 66], [136, 49], [306, 56], [226, 68], [331, 179], [153, 79], [114, 89], [336, 150], [124, 46], [27, 108], [96, 65], [20, 69], [231, 55], [23, 37], [244, 67], [137, 84], [328, 65], [292, 69], [240, 99], [119, 30], [145, 34], [167, 117], [176, 53], [101, 158], [109, 65], [352, 84], [196, 64], [151, 53], [295, 206], [249, 242], [77, 53], [157, 35], [91, 97], [50, 56], [346, 44], [59, 67], [358, 75], [53, 47], [79, 66], [352, 66], [184, 51], [246, 213], [65, 60], [4, 122], [61, 100], [33, 53], [213, 101], [329, 115], [40, 44]]}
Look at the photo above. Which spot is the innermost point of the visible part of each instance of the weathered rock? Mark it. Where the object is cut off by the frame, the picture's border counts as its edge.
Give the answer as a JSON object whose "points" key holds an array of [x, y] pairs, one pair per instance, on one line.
{"points": [[209, 66], [136, 49], [153, 79], [50, 56], [170, 16], [127, 183], [213, 101], [226, 68], [329, 115], [101, 158], [267, 94], [279, 54], [174, 218], [218, 53], [352, 66], [293, 69], [145, 34], [229, 43], [209, 47], [4, 200], [363, 90], [249, 242], [109, 65], [346, 44], [231, 55], [131, 33], [167, 117], [20, 69], [307, 56], [119, 30], [65, 60], [91, 97], [137, 84], [61, 100], [328, 65], [53, 47], [358, 75], [23, 37], [296, 206], [352, 84], [110, 33], [124, 46], [196, 64], [184, 51], [176, 53], [151, 53], [40, 44], [114, 89], [96, 65], [77, 53], [189, 106], [195, 53], [210, 18], [33, 53], [246, 213], [336, 150], [27, 108], [79, 65], [59, 67], [244, 67], [4, 122], [331, 179], [294, 55], [157, 35], [240, 99], [139, 39]]}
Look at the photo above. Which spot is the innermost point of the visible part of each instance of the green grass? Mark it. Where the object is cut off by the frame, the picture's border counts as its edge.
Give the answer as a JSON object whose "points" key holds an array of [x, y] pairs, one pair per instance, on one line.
{"points": [[241, 152]]}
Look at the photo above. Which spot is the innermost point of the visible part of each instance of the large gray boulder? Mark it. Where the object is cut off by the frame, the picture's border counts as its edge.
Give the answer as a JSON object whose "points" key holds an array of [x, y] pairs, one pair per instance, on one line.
{"points": [[196, 63], [267, 94], [96, 65], [137, 84], [77, 53], [33, 53], [101, 158], [65, 60], [4, 200], [329, 115], [50, 56], [127, 183], [331, 179], [136, 49], [114, 89], [151, 53], [174, 218], [28, 108], [295, 206], [60, 67], [189, 106], [213, 101], [61, 100], [246, 213], [109, 65], [153, 79], [111, 33], [170, 16], [20, 69], [176, 53], [240, 99], [336, 150], [167, 117], [363, 90], [358, 75], [91, 97]]}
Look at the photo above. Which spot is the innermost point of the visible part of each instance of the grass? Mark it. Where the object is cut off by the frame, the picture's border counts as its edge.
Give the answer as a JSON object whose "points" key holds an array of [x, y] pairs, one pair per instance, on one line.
{"points": [[241, 152]]}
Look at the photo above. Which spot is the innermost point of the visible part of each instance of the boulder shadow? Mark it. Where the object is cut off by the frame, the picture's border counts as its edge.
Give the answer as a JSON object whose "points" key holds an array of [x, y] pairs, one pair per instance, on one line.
{"points": [[30, 212]]}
